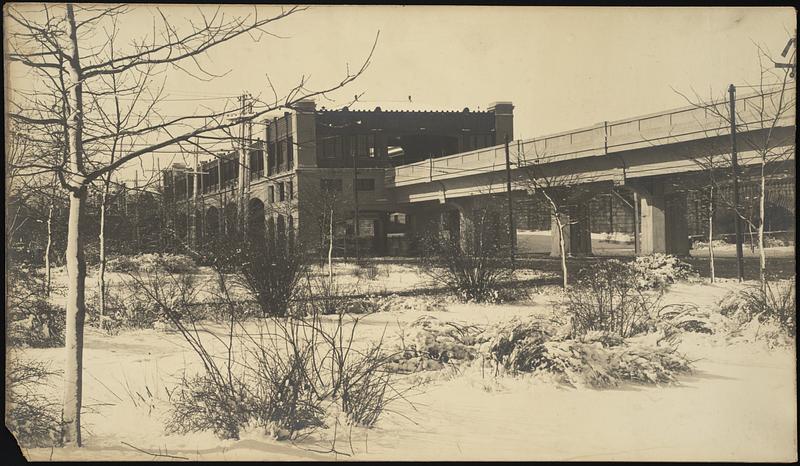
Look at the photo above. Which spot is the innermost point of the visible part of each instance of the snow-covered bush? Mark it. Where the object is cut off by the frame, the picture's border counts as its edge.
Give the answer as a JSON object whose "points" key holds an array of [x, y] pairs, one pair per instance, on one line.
{"points": [[717, 243], [172, 263], [596, 359], [606, 297], [647, 364], [773, 242], [658, 271], [32, 320], [517, 345], [776, 304], [32, 417], [443, 341], [687, 318], [396, 303]]}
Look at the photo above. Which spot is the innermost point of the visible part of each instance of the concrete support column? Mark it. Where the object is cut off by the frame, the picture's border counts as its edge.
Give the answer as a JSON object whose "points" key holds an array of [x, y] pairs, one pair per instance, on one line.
{"points": [[577, 232], [653, 229], [466, 228], [581, 230], [380, 240], [677, 225], [466, 222]]}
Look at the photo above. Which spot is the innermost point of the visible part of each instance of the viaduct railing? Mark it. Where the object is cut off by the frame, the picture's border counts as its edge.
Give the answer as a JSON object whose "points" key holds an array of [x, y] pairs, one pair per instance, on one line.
{"points": [[684, 124]]}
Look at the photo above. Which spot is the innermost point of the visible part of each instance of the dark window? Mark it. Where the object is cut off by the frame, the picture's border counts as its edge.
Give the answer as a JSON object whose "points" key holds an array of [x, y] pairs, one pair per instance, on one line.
{"points": [[256, 163], [362, 150], [281, 192], [330, 148], [348, 146], [271, 194], [289, 189], [289, 153], [281, 227], [363, 145], [331, 184], [365, 184], [271, 157], [279, 156]]}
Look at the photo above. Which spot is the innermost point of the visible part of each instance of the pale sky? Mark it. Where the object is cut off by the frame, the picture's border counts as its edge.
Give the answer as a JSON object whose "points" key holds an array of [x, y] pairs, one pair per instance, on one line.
{"points": [[562, 67]]}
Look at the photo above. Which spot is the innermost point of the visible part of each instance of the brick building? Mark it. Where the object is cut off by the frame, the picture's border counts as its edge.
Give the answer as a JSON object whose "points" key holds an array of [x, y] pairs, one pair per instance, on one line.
{"points": [[311, 162]]}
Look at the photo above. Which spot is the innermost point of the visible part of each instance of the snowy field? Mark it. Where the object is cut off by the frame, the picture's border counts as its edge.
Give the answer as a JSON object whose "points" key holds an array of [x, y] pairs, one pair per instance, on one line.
{"points": [[738, 404]]}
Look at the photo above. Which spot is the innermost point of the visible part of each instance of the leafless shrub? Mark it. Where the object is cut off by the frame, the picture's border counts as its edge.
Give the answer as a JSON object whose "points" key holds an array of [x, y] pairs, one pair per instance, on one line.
{"points": [[473, 272], [368, 271], [203, 402], [269, 269], [30, 416], [174, 263], [289, 369], [325, 296], [157, 295], [775, 302], [606, 298], [32, 320]]}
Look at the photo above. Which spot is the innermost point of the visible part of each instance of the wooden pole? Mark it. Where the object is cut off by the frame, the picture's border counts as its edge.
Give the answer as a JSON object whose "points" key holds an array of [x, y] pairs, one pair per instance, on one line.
{"points": [[512, 232], [355, 196], [637, 245], [735, 168]]}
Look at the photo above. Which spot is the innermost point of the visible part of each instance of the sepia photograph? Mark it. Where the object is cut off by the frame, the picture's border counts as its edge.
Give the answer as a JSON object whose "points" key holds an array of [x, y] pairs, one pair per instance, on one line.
{"points": [[263, 232]]}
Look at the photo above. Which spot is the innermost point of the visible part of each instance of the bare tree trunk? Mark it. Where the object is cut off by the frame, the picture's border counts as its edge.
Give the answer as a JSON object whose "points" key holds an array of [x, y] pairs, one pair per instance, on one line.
{"points": [[762, 258], [76, 262], [711, 232], [101, 276], [330, 250], [47, 265], [76, 310], [562, 248]]}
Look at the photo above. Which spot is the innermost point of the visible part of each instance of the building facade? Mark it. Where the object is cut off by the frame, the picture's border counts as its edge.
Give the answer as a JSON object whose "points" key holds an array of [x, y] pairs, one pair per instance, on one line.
{"points": [[312, 169]]}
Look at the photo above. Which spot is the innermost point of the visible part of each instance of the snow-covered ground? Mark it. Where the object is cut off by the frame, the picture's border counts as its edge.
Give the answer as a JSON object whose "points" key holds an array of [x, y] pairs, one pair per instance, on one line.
{"points": [[621, 244], [739, 404]]}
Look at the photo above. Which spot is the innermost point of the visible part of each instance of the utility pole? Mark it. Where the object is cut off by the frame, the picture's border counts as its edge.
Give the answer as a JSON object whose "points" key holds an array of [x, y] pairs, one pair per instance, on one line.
{"points": [[637, 245], [136, 210], [162, 212], [188, 209], [735, 167], [512, 232], [791, 65], [196, 190], [355, 196], [243, 162]]}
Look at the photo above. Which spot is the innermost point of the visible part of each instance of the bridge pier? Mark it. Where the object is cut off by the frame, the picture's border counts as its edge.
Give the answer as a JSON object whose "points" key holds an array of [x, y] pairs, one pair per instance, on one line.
{"points": [[664, 227], [577, 232]]}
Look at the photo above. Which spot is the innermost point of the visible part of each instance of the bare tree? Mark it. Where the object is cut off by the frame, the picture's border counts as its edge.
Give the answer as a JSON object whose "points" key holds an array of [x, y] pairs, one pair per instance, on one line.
{"points": [[561, 193], [71, 53], [327, 208], [760, 120]]}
